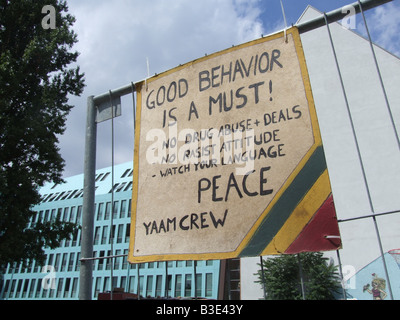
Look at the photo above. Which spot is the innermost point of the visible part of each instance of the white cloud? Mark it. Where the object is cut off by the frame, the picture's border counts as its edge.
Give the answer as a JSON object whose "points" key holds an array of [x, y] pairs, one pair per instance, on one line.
{"points": [[384, 26], [115, 39]]}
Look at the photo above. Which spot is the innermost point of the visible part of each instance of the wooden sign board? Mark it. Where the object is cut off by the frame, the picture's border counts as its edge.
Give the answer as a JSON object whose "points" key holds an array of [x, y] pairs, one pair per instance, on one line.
{"points": [[228, 156]]}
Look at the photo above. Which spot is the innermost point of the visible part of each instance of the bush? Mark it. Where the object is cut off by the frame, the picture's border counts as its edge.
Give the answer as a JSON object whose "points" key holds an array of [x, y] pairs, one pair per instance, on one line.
{"points": [[282, 280]]}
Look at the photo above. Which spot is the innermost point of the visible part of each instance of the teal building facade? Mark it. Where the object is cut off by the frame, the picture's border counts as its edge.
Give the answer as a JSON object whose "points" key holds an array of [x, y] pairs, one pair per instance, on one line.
{"points": [[59, 277]]}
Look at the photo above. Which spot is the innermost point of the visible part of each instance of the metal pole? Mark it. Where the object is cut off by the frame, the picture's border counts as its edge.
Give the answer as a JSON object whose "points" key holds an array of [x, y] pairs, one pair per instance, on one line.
{"points": [[86, 269], [383, 258], [341, 275], [303, 291], [166, 280], [262, 277], [112, 197]]}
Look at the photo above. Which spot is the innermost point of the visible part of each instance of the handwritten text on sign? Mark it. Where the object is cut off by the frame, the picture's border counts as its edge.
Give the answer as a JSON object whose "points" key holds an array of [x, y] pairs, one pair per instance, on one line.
{"points": [[216, 141]]}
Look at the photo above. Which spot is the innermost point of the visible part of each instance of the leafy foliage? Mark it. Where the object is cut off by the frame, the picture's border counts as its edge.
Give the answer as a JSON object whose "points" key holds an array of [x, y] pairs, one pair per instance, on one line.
{"points": [[281, 277], [35, 81]]}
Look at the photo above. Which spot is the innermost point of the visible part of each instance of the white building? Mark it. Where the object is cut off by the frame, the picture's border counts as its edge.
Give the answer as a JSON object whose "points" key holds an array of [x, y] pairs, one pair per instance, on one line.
{"points": [[377, 142]]}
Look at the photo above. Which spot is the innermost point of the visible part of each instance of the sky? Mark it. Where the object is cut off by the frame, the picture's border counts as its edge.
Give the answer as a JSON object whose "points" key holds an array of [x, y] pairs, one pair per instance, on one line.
{"points": [[124, 41]]}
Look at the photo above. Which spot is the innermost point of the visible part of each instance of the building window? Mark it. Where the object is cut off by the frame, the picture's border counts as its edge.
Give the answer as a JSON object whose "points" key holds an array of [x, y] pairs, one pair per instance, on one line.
{"points": [[19, 286], [158, 286], [123, 283], [57, 261], [100, 211], [38, 287], [101, 261], [120, 187], [104, 235], [149, 286], [79, 215], [108, 260], [96, 236], [198, 284], [131, 287], [115, 209], [141, 282], [128, 186], [112, 234], [78, 263], [127, 232], [125, 173], [114, 282], [119, 233], [65, 215], [40, 217], [105, 176], [67, 287], [209, 284], [169, 285], [188, 285], [123, 209], [75, 237], [53, 215], [64, 262], [52, 290], [178, 285], [97, 287], [106, 284], [71, 261], [117, 260], [32, 288], [59, 287], [72, 215], [108, 211], [50, 261], [125, 260], [74, 288]]}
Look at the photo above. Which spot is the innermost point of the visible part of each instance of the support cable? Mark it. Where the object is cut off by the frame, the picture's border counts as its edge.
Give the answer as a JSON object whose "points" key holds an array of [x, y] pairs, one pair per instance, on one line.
{"points": [[341, 274], [349, 114], [284, 19]]}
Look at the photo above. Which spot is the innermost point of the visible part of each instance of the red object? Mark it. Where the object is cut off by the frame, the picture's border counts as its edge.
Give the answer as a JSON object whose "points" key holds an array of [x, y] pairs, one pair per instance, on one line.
{"points": [[117, 296], [321, 233]]}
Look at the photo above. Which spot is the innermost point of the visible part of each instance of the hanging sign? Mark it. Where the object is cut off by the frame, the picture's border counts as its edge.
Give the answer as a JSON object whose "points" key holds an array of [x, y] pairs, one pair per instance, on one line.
{"points": [[228, 158]]}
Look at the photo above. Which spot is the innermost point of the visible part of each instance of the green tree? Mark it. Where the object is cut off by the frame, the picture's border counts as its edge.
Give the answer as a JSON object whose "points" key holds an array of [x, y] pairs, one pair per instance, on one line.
{"points": [[281, 277], [35, 81]]}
